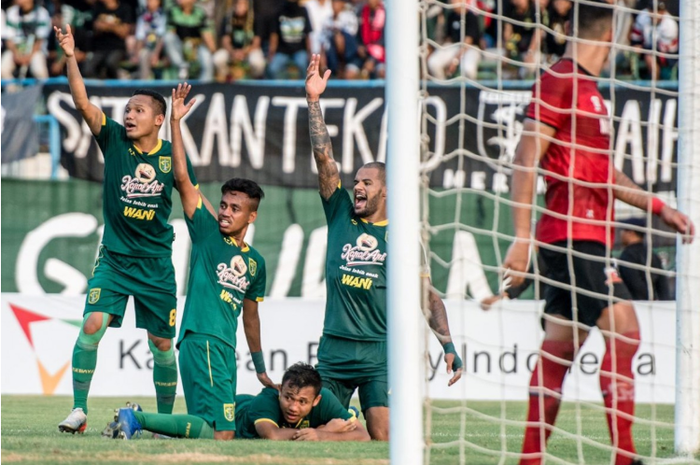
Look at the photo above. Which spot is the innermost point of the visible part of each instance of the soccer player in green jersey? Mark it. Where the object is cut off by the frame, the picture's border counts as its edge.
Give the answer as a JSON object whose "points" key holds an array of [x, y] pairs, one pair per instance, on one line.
{"points": [[352, 353], [135, 255], [302, 410], [227, 278]]}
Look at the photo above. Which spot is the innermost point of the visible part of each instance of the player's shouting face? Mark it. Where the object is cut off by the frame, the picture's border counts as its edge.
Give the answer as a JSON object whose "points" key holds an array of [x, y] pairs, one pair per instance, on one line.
{"points": [[369, 193], [235, 212], [141, 118], [296, 403]]}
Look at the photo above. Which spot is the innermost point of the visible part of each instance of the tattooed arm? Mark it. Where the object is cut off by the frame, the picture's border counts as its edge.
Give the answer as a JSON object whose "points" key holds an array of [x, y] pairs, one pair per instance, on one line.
{"points": [[630, 193], [328, 176], [437, 320]]}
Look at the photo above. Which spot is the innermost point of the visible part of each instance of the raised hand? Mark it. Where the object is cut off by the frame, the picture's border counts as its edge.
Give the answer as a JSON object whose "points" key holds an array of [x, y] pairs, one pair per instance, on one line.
{"points": [[678, 222], [66, 41], [178, 107], [315, 83]]}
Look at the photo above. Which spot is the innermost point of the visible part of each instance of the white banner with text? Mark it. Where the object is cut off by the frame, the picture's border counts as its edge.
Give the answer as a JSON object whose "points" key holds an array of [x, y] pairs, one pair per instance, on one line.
{"points": [[499, 349]]}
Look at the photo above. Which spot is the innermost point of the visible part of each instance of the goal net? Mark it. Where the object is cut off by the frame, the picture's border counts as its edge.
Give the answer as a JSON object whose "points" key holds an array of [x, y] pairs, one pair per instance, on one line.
{"points": [[478, 61]]}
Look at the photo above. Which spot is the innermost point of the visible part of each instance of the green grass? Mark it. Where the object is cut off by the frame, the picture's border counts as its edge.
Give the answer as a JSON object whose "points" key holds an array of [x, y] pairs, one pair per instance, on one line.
{"points": [[30, 435]]}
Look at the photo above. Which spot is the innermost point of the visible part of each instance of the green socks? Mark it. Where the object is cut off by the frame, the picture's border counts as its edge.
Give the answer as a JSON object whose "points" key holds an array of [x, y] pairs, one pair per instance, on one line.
{"points": [[164, 377], [84, 362], [180, 426]]}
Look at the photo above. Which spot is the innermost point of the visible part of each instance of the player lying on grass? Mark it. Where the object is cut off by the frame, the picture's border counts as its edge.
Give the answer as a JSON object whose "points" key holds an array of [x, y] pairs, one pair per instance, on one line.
{"points": [[300, 411]]}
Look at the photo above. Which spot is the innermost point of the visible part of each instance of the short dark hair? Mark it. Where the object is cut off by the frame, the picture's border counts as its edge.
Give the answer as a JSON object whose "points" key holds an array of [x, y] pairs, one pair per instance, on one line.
{"points": [[301, 375], [594, 19], [160, 106], [246, 186], [380, 166]]}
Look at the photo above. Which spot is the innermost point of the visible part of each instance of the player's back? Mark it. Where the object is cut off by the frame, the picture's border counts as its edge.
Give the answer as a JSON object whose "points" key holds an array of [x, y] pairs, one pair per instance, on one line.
{"points": [[578, 165]]}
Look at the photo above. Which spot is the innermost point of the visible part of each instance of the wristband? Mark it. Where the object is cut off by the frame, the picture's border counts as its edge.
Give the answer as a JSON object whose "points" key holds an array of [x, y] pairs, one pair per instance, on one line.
{"points": [[258, 361], [657, 205], [449, 348]]}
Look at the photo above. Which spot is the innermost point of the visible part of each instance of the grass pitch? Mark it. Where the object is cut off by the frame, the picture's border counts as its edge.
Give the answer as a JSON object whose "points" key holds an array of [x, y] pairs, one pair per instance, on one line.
{"points": [[30, 435]]}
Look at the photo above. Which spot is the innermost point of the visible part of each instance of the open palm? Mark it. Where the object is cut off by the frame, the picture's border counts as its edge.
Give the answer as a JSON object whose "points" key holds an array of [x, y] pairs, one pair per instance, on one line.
{"points": [[315, 83], [179, 108]]}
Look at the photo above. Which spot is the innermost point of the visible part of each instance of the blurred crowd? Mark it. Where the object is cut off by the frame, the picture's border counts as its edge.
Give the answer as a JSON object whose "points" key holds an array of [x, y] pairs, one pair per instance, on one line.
{"points": [[226, 40]]}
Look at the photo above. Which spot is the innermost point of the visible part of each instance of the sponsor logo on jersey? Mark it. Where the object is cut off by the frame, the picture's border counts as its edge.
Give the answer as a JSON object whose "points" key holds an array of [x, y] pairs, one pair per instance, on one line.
{"points": [[143, 183], [233, 276], [94, 295], [230, 411], [364, 252], [165, 164]]}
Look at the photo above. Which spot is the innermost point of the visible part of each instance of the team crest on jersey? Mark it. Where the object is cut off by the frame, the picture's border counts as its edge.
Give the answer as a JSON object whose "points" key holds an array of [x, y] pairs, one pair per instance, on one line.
{"points": [[230, 411], [94, 295], [143, 183], [233, 276], [304, 424], [165, 164], [364, 252], [252, 266]]}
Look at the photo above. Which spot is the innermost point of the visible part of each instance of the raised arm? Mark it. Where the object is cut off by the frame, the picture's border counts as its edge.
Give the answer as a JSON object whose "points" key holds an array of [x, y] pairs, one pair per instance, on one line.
{"points": [[328, 176], [630, 193], [189, 194], [533, 144], [91, 114], [251, 327]]}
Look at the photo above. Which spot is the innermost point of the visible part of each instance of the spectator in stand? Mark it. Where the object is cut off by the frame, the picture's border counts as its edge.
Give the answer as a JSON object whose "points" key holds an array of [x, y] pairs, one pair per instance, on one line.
{"points": [[519, 40], [554, 44], [657, 34], [642, 284], [340, 41], [150, 31], [25, 33], [457, 53], [372, 19], [112, 23], [190, 39], [289, 41], [320, 11], [237, 59]]}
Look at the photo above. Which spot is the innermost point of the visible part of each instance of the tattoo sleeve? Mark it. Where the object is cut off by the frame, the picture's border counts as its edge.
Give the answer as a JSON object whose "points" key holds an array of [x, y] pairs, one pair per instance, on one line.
{"points": [[328, 176], [437, 318], [630, 193]]}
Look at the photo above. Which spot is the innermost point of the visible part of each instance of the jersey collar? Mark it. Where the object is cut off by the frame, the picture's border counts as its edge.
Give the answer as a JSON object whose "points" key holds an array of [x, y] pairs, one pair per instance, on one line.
{"points": [[378, 223], [157, 148], [245, 247]]}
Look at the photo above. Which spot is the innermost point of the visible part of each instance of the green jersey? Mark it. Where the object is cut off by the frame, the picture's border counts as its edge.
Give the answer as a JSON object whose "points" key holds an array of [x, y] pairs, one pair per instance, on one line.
{"points": [[251, 410], [137, 198], [355, 273], [222, 274]]}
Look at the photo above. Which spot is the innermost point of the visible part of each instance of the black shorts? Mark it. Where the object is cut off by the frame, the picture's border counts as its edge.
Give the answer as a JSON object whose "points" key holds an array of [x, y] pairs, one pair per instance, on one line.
{"points": [[590, 274]]}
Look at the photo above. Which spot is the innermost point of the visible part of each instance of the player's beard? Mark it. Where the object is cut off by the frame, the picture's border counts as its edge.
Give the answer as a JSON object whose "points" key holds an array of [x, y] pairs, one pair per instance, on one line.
{"points": [[370, 208]]}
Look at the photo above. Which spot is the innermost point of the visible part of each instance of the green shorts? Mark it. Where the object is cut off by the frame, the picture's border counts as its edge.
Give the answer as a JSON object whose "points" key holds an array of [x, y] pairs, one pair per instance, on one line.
{"points": [[151, 281], [346, 365], [208, 372]]}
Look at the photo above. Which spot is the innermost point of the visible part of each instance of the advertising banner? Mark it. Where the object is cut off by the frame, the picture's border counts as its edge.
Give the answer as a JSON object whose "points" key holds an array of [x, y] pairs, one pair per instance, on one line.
{"points": [[260, 131], [499, 349]]}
